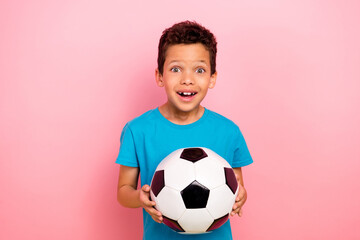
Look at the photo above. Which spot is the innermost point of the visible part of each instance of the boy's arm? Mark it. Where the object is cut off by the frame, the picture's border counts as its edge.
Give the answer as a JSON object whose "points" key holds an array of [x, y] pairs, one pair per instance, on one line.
{"points": [[129, 196], [242, 195]]}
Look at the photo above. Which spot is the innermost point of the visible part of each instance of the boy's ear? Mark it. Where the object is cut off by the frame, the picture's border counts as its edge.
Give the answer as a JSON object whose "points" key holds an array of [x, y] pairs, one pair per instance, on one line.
{"points": [[159, 78], [213, 80]]}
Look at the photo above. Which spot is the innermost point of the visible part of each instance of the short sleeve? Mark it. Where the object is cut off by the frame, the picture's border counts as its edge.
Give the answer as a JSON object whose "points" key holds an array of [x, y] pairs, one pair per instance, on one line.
{"points": [[242, 155], [127, 153]]}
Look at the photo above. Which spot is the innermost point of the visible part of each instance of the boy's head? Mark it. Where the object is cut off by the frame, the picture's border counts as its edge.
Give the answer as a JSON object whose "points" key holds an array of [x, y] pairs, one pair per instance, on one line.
{"points": [[187, 33]]}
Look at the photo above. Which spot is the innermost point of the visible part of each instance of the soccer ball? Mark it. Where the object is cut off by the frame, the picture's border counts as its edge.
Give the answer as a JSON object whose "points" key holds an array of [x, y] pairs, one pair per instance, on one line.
{"points": [[194, 189]]}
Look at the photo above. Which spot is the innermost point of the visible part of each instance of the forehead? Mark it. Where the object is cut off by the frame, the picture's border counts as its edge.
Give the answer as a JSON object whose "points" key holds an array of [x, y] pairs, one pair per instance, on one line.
{"points": [[195, 52]]}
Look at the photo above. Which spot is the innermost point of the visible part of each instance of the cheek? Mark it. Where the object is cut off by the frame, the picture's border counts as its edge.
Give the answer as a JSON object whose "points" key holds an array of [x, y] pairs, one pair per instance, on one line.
{"points": [[168, 89], [204, 82], [171, 82]]}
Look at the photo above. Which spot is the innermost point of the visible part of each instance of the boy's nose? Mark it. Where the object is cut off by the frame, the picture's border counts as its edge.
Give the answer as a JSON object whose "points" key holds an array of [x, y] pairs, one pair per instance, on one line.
{"points": [[187, 79]]}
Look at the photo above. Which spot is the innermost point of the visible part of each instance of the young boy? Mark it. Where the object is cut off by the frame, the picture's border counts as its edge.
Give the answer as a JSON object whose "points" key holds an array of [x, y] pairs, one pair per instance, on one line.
{"points": [[186, 69]]}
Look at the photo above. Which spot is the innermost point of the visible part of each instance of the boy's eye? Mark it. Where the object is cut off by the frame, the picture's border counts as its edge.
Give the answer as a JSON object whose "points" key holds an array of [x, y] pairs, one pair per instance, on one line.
{"points": [[175, 69], [200, 70]]}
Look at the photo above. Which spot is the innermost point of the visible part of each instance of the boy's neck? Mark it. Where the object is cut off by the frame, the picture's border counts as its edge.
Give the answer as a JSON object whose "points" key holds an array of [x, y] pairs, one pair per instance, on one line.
{"points": [[179, 117]]}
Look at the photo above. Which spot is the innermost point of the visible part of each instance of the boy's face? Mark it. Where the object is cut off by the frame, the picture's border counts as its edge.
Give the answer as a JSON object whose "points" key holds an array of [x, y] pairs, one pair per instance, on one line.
{"points": [[186, 76]]}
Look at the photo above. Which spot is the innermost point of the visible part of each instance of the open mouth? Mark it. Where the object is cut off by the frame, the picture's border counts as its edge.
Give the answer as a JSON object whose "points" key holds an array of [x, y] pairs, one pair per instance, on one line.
{"points": [[187, 94]]}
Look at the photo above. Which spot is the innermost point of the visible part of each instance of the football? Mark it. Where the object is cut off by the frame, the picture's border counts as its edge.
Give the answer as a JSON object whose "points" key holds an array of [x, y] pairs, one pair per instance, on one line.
{"points": [[194, 189]]}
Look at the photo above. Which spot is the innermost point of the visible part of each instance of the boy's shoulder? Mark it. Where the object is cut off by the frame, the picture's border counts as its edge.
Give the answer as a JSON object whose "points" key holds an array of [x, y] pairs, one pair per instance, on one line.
{"points": [[221, 119], [142, 119]]}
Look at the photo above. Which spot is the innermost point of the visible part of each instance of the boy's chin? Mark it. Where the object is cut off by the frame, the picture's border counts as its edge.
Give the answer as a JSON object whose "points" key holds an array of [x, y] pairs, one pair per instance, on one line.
{"points": [[187, 109], [182, 107]]}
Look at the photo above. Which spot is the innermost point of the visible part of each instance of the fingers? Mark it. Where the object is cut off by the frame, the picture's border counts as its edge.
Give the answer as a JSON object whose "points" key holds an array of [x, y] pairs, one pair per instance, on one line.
{"points": [[145, 196], [155, 214], [148, 205], [237, 207], [238, 212], [239, 201]]}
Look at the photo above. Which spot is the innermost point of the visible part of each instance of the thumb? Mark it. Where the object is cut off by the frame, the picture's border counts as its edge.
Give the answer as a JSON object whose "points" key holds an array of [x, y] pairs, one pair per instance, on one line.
{"points": [[146, 188]]}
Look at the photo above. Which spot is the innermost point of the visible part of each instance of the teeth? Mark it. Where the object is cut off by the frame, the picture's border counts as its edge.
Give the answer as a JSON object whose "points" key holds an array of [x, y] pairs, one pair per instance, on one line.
{"points": [[187, 93]]}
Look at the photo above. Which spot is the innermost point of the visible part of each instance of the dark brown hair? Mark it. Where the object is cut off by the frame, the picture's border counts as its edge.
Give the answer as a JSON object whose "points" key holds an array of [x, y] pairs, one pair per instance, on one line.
{"points": [[187, 32]]}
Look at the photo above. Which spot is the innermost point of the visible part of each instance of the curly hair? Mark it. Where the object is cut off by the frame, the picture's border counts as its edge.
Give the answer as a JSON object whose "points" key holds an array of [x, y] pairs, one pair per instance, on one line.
{"points": [[187, 32]]}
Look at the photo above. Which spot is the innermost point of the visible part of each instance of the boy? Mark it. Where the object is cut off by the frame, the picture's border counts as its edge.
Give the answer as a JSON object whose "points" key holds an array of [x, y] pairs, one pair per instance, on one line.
{"points": [[186, 69]]}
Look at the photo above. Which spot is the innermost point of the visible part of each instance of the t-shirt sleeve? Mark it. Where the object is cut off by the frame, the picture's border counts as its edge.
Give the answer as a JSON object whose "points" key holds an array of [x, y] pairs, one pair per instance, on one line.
{"points": [[127, 153], [242, 155]]}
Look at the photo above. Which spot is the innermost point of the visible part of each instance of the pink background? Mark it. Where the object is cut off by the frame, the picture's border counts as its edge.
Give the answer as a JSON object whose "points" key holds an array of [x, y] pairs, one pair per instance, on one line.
{"points": [[72, 73]]}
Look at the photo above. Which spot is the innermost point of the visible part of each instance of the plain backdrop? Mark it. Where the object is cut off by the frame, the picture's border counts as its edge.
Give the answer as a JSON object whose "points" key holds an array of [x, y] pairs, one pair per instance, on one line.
{"points": [[73, 72]]}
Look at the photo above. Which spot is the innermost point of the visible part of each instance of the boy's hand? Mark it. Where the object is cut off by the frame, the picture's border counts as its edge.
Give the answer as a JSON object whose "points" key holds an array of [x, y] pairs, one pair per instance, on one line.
{"points": [[240, 200], [149, 205]]}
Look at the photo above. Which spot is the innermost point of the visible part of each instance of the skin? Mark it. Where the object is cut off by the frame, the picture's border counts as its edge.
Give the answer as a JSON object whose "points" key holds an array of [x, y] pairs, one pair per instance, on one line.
{"points": [[186, 68]]}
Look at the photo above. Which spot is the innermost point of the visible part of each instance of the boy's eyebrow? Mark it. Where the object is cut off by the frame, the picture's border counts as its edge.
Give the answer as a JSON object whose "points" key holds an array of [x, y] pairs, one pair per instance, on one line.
{"points": [[175, 61]]}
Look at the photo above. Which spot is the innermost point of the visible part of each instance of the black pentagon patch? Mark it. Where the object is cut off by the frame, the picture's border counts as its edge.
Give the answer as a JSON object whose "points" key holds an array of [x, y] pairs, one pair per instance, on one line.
{"points": [[158, 182], [218, 223], [231, 179], [172, 224], [193, 154], [195, 195]]}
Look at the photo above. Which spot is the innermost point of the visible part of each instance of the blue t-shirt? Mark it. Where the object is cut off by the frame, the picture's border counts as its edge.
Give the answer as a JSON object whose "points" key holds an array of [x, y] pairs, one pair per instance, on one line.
{"points": [[149, 138]]}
